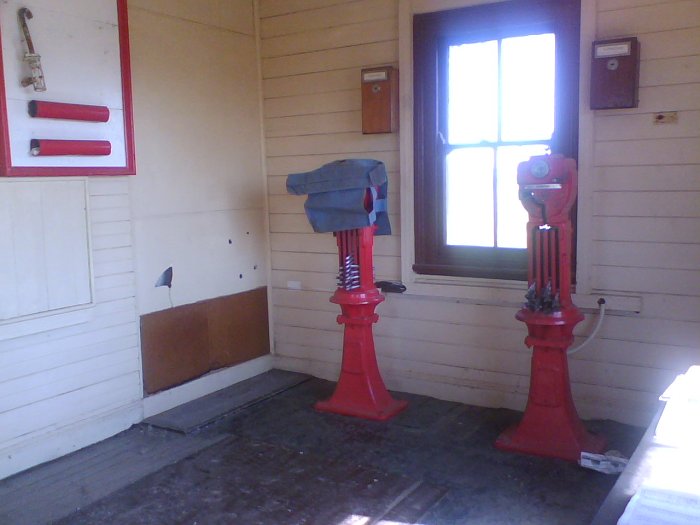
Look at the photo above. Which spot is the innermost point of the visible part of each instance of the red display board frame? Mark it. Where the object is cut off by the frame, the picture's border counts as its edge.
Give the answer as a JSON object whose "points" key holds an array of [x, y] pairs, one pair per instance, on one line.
{"points": [[8, 169]]}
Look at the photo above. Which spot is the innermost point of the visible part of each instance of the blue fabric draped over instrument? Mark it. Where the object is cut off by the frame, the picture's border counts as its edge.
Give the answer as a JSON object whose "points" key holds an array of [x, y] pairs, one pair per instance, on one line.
{"points": [[337, 193]]}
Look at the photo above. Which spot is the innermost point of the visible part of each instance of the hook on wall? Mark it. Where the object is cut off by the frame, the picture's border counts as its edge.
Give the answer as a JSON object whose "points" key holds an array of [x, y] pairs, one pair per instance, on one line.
{"points": [[166, 278]]}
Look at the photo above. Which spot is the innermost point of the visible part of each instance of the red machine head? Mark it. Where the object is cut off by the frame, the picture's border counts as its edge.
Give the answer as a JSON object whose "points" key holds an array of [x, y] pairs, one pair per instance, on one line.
{"points": [[547, 187]]}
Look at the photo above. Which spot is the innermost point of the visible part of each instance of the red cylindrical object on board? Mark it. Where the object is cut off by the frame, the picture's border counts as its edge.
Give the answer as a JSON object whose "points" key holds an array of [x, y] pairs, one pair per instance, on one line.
{"points": [[59, 110], [50, 147]]}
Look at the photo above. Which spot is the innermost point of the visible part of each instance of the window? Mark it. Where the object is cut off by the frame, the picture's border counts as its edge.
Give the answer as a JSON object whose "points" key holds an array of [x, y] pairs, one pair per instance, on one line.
{"points": [[493, 85]]}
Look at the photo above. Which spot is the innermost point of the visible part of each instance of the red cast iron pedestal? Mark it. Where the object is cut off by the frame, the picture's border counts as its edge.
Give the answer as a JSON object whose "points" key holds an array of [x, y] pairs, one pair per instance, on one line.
{"points": [[360, 391], [550, 425]]}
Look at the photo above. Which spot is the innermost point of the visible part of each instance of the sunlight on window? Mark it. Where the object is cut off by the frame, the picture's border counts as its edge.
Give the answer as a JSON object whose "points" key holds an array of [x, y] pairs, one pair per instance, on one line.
{"points": [[527, 85], [492, 110], [358, 519], [512, 216], [473, 93], [355, 519], [470, 197]]}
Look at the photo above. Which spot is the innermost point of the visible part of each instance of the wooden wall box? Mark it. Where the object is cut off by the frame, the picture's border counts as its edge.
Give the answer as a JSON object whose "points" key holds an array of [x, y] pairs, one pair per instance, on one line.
{"points": [[380, 93], [615, 73]]}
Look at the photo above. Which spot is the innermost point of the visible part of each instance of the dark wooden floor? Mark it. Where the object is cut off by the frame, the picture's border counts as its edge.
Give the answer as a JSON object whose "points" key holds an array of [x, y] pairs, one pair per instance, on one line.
{"points": [[279, 462]]}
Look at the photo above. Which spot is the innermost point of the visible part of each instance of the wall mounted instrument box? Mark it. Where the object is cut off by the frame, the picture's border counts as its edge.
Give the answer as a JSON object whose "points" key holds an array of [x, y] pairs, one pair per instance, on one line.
{"points": [[615, 73], [380, 94]]}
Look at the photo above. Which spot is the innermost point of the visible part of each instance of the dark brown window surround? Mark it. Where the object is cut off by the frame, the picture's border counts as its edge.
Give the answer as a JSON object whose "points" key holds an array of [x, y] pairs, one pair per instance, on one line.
{"points": [[432, 33]]}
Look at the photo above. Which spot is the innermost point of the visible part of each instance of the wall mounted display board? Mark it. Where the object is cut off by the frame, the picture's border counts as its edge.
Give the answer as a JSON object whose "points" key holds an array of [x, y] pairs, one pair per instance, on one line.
{"points": [[65, 99]]}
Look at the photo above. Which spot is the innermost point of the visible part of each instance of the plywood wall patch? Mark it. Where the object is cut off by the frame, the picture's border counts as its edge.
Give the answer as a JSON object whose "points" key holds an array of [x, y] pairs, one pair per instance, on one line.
{"points": [[182, 343]]}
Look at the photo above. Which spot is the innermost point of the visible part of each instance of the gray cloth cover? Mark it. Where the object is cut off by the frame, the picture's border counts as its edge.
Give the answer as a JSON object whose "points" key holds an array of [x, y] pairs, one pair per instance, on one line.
{"points": [[336, 195]]}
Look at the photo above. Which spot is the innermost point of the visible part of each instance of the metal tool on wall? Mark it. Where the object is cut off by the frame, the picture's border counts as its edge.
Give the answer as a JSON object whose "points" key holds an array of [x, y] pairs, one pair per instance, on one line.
{"points": [[31, 57]]}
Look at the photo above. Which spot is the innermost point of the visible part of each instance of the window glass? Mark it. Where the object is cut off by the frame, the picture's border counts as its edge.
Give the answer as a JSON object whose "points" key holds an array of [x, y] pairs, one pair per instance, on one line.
{"points": [[493, 85], [527, 84], [512, 217], [482, 204], [472, 110], [470, 197]]}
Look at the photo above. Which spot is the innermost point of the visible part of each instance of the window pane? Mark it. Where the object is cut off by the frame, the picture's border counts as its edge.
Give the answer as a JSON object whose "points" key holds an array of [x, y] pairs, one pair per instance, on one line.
{"points": [[469, 188], [473, 93], [512, 217], [527, 87]]}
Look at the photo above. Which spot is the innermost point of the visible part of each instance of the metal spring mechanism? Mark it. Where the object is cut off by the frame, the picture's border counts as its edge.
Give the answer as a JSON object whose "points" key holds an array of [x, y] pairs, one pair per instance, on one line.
{"points": [[349, 274]]}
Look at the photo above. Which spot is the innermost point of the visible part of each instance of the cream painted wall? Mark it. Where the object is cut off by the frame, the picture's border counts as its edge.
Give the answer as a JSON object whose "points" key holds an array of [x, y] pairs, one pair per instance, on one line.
{"points": [[71, 377], [198, 198], [639, 214]]}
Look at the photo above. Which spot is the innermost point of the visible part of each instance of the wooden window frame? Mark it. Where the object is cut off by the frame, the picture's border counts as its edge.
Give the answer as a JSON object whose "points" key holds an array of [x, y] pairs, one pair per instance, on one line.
{"points": [[431, 31]]}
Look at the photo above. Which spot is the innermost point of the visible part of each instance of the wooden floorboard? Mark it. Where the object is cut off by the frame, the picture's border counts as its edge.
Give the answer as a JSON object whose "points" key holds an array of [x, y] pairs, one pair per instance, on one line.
{"points": [[50, 491], [247, 482], [81, 478], [280, 462]]}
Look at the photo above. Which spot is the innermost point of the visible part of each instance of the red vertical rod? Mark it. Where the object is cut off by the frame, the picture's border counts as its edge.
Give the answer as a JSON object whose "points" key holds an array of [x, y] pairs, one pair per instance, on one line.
{"points": [[557, 252], [554, 251], [547, 257], [366, 263]]}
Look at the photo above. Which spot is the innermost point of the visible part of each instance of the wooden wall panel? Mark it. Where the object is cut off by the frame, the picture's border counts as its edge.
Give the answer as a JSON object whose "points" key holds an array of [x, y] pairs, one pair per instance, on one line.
{"points": [[377, 29], [653, 17], [238, 328], [61, 377], [174, 346], [331, 12]]}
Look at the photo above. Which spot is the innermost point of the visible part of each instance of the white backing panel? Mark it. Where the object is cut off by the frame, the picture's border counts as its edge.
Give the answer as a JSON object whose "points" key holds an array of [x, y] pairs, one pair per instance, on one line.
{"points": [[78, 41], [44, 241]]}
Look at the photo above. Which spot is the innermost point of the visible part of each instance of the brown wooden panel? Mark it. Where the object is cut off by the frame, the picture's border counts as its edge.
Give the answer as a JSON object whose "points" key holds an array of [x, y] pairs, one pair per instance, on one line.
{"points": [[380, 100], [238, 328], [183, 343], [174, 346], [615, 74]]}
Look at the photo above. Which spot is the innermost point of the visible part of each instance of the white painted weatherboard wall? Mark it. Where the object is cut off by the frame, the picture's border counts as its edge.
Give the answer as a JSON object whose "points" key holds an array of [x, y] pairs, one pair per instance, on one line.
{"points": [[70, 378], [639, 210], [44, 241], [198, 201], [73, 377]]}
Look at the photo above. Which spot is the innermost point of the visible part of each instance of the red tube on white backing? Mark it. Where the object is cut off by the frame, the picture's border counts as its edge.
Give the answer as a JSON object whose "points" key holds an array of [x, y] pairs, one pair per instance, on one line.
{"points": [[50, 147], [60, 110]]}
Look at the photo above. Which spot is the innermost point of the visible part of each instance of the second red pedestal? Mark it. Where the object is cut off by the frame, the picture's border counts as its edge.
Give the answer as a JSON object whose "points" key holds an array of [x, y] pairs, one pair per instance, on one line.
{"points": [[550, 425]]}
